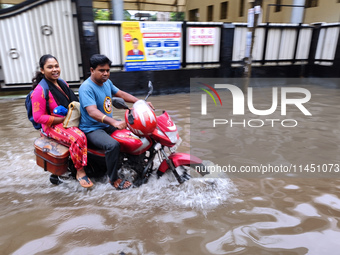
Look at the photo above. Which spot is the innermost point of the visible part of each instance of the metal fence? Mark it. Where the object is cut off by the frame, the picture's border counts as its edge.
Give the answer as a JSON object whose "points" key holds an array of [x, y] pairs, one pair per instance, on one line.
{"points": [[205, 56], [28, 31], [110, 44], [287, 44], [327, 43], [275, 44]]}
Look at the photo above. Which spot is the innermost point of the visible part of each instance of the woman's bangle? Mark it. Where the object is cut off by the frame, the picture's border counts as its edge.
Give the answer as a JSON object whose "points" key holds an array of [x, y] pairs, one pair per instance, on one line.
{"points": [[103, 118]]}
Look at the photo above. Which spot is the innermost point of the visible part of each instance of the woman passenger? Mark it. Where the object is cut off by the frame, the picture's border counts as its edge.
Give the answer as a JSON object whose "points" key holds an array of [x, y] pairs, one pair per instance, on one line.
{"points": [[52, 125]]}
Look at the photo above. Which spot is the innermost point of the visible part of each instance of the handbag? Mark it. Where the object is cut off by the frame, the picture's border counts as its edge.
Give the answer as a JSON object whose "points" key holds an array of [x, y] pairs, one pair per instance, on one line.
{"points": [[72, 118]]}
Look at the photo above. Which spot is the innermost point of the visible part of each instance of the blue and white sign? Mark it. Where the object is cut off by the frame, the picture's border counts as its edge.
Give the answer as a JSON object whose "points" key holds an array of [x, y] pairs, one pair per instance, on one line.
{"points": [[161, 45]]}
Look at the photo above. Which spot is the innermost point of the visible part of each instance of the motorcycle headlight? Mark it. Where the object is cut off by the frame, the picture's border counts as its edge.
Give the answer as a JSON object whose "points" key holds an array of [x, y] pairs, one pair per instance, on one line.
{"points": [[173, 136]]}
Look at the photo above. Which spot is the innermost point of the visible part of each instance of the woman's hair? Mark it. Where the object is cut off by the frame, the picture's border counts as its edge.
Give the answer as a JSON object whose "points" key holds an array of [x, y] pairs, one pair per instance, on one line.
{"points": [[38, 75], [99, 60]]}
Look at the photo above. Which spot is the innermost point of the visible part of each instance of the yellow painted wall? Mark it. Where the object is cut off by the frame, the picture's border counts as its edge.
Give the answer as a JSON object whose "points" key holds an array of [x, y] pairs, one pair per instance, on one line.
{"points": [[326, 11]]}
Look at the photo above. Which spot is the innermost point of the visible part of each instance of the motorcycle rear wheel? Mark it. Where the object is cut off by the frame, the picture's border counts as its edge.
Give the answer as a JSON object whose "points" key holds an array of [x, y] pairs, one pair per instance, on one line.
{"points": [[54, 179]]}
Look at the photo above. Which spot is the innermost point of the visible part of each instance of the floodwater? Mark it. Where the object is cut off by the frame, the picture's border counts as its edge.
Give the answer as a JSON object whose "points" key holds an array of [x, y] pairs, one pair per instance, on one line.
{"points": [[202, 216]]}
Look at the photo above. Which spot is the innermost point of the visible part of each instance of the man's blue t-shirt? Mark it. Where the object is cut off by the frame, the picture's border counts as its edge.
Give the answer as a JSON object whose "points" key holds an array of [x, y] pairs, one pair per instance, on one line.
{"points": [[92, 94]]}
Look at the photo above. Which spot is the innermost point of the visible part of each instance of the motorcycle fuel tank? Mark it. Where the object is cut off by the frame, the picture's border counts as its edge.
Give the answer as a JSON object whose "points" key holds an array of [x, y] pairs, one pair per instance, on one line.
{"points": [[130, 143]]}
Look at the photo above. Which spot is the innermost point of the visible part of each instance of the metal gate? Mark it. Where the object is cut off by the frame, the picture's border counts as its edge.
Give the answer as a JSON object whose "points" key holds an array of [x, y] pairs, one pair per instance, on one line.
{"points": [[34, 28]]}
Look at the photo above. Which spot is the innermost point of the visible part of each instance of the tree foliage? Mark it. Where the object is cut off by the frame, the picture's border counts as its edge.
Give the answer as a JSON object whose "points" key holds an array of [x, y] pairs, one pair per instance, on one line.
{"points": [[177, 16], [102, 14], [105, 14]]}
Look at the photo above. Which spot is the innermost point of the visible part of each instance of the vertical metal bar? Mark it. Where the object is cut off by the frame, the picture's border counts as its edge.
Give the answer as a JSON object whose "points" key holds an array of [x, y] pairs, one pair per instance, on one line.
{"points": [[221, 31], [279, 46], [296, 42], [121, 56], [226, 49], [184, 44], [336, 62], [88, 39], [314, 44], [265, 44], [203, 57]]}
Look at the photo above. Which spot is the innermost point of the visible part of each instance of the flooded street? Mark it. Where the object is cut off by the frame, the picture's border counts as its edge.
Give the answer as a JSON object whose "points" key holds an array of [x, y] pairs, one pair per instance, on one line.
{"points": [[201, 216]]}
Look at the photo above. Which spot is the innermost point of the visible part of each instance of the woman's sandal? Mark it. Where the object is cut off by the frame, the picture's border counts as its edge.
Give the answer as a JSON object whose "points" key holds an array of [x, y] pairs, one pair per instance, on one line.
{"points": [[122, 184], [87, 180]]}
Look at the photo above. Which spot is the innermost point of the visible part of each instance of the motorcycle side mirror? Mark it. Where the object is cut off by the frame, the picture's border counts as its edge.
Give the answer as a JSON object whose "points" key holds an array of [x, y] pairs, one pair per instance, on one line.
{"points": [[130, 118], [119, 103], [150, 90]]}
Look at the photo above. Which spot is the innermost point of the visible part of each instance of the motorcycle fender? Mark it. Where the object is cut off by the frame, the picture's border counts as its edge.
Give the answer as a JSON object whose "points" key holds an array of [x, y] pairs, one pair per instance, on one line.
{"points": [[179, 159]]}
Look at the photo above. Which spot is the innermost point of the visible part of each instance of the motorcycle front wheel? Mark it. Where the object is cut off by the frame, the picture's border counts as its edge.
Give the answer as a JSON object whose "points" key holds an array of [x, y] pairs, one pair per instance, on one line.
{"points": [[188, 172]]}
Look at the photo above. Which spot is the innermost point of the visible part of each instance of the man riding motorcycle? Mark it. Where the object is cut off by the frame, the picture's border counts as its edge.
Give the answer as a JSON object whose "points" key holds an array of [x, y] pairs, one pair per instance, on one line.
{"points": [[96, 121]]}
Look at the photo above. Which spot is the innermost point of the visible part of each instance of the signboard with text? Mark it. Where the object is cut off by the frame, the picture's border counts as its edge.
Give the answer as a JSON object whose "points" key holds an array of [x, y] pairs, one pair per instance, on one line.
{"points": [[152, 45], [202, 35]]}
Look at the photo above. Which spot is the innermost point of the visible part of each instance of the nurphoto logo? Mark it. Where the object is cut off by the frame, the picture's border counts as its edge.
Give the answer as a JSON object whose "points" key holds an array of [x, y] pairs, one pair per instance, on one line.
{"points": [[238, 101]]}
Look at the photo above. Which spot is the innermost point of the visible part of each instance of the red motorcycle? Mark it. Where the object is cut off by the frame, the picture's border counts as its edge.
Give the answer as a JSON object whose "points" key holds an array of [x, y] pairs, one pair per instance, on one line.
{"points": [[145, 137]]}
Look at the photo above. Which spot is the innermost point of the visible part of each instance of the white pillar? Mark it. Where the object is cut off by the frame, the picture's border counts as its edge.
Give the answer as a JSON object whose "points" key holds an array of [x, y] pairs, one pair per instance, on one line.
{"points": [[118, 9], [297, 12]]}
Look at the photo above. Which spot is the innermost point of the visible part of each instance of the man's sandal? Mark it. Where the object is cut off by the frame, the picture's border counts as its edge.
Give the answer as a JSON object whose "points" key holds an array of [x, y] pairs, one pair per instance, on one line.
{"points": [[122, 184], [87, 180]]}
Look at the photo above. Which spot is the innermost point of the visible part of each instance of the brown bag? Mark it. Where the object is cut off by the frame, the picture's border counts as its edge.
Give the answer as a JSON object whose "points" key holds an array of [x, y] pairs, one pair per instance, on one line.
{"points": [[72, 118]]}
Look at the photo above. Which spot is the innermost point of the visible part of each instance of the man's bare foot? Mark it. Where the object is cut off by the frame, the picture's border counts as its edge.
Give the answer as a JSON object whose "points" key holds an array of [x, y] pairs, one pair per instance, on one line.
{"points": [[122, 184]]}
